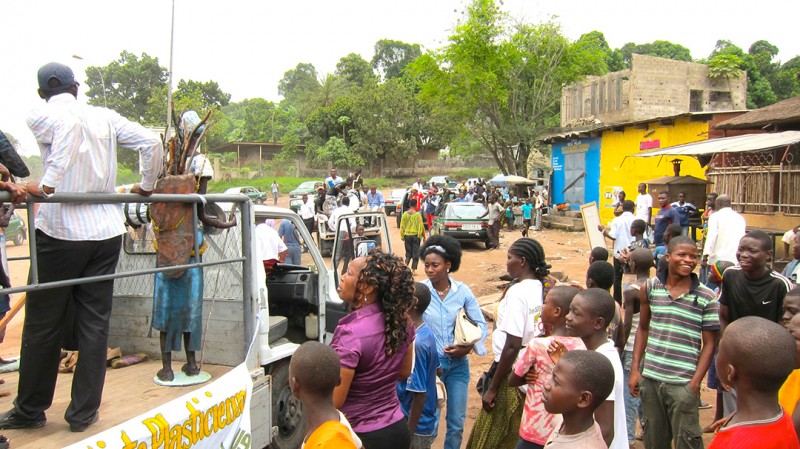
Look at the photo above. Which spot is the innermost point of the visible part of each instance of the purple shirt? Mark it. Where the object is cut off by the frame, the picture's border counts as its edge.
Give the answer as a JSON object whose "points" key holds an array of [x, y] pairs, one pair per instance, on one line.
{"points": [[359, 339]]}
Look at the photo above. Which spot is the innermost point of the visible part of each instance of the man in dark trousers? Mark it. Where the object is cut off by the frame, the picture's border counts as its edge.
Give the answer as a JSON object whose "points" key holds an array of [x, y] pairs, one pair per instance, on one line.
{"points": [[78, 144]]}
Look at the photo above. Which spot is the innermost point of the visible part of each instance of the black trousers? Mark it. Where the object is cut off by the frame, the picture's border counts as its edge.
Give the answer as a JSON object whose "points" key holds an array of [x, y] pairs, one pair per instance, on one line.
{"points": [[45, 325], [618, 273], [412, 250], [393, 436]]}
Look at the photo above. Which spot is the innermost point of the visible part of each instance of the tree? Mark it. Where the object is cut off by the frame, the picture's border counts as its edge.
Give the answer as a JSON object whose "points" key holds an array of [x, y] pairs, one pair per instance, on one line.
{"points": [[759, 90], [503, 83], [355, 70], [338, 153], [383, 122], [302, 78], [391, 57], [132, 83], [661, 49], [200, 96]]}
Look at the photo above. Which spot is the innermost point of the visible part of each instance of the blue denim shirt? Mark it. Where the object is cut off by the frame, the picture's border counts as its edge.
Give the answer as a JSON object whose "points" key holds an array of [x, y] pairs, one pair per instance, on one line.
{"points": [[441, 315], [375, 200]]}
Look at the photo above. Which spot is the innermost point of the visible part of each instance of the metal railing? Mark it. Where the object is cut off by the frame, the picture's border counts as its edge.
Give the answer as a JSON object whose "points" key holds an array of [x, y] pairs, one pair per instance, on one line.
{"points": [[248, 298]]}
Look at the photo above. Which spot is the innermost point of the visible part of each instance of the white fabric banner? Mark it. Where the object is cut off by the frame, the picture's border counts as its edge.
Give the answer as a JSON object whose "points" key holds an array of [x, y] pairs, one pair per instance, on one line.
{"points": [[216, 415]]}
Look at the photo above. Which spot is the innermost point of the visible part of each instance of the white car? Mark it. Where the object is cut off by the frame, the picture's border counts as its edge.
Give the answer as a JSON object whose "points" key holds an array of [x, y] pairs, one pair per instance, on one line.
{"points": [[391, 202]]}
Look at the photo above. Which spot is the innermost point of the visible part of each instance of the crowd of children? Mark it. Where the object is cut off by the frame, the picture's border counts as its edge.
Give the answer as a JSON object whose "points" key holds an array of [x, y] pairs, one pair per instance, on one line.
{"points": [[576, 369]]}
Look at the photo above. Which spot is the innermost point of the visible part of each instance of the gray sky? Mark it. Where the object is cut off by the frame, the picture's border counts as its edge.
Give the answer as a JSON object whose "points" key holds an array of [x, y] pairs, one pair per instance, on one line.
{"points": [[247, 45]]}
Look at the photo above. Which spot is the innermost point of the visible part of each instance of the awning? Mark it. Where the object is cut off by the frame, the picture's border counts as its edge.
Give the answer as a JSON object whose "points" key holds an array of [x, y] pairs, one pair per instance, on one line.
{"points": [[749, 143]]}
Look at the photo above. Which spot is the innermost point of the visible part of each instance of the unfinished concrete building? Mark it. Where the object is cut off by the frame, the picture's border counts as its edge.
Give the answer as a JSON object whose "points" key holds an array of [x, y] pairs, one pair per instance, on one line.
{"points": [[652, 87]]}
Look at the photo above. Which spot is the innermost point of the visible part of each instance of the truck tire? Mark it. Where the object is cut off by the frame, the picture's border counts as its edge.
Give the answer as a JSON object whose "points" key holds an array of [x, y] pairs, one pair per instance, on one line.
{"points": [[19, 239], [287, 411]]}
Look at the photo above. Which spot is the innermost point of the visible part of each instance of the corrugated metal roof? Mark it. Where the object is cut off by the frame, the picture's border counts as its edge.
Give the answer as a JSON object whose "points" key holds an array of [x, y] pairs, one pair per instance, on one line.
{"points": [[738, 144]]}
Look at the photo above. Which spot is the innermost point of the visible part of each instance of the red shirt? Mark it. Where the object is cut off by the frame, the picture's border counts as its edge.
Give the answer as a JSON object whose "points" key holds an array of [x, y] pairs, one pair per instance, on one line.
{"points": [[773, 433]]}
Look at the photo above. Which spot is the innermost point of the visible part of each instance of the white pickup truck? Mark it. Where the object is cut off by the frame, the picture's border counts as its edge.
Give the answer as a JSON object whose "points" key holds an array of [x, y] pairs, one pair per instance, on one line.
{"points": [[252, 325]]}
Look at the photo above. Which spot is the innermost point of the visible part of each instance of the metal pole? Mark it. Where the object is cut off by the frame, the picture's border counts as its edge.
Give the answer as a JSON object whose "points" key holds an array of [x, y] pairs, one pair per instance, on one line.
{"points": [[248, 299], [169, 75]]}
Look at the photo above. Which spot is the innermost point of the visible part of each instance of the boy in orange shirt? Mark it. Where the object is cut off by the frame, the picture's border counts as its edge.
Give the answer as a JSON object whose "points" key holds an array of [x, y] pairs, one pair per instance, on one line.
{"points": [[313, 374], [756, 356]]}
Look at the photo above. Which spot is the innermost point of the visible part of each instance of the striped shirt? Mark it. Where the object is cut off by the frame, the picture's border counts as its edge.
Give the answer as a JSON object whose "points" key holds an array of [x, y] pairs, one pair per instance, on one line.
{"points": [[676, 330], [411, 225], [78, 144]]}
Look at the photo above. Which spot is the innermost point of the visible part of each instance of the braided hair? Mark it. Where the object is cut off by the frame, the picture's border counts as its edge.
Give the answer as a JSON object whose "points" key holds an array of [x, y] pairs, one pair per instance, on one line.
{"points": [[394, 284], [533, 252]]}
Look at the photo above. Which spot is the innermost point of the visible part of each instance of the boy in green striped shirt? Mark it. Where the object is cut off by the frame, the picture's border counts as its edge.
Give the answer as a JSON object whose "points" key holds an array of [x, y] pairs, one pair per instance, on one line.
{"points": [[678, 326]]}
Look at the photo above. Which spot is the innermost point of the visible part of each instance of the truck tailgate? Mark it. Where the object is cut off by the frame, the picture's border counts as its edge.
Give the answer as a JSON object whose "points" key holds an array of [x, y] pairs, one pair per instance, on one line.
{"points": [[128, 392]]}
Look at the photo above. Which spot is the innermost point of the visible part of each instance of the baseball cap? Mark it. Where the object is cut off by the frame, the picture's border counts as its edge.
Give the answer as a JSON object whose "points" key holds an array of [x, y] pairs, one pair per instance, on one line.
{"points": [[60, 72]]}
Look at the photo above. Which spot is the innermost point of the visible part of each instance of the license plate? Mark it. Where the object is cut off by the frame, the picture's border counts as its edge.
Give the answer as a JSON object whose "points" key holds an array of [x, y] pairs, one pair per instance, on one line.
{"points": [[471, 227]]}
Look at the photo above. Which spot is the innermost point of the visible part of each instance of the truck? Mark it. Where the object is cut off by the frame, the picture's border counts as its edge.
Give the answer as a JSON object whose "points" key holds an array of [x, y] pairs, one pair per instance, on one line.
{"points": [[253, 322]]}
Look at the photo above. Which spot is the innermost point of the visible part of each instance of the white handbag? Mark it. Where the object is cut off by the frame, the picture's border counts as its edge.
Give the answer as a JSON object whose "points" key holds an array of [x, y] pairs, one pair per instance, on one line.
{"points": [[467, 332], [441, 394]]}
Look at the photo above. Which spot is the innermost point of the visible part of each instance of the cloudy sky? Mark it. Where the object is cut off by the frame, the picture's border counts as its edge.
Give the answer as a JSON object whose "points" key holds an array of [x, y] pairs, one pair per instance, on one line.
{"points": [[247, 45]]}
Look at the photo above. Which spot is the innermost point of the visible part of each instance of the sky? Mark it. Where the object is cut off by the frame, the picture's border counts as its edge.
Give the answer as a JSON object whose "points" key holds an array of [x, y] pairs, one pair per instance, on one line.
{"points": [[247, 45]]}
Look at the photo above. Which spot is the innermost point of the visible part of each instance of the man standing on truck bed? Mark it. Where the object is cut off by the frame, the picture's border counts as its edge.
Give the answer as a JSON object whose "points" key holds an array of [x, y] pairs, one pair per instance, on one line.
{"points": [[78, 144]]}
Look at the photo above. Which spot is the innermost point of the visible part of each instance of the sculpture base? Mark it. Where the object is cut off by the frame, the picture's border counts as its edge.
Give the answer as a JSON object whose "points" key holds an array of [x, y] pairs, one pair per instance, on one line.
{"points": [[182, 380]]}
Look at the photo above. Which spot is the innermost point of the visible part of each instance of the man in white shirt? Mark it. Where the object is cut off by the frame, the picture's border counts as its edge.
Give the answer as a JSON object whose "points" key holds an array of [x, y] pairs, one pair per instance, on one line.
{"points": [[644, 204], [333, 179], [78, 144], [307, 213], [270, 248], [725, 228], [620, 232]]}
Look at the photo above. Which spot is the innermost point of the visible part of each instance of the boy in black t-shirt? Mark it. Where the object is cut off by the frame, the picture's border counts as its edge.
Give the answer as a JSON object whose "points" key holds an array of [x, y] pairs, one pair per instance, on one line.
{"points": [[752, 288]]}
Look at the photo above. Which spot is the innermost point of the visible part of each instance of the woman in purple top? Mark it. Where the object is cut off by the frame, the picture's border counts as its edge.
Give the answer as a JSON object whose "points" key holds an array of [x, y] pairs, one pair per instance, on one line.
{"points": [[372, 342]]}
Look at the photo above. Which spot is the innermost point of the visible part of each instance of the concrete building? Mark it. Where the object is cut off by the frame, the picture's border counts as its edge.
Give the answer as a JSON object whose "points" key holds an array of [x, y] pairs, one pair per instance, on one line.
{"points": [[653, 87]]}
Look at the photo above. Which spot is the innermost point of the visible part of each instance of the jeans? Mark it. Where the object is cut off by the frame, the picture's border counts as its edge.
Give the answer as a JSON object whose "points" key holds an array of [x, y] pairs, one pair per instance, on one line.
{"points": [[422, 441], [455, 375], [633, 406], [670, 416], [412, 250], [293, 254]]}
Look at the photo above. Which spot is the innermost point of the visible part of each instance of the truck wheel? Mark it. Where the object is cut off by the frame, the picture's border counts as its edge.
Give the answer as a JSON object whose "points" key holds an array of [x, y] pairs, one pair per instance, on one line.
{"points": [[19, 239], [287, 411], [259, 201]]}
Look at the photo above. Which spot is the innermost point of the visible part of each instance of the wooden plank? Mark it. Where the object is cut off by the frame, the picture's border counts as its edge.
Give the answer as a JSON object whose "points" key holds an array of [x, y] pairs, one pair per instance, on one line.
{"points": [[128, 393]]}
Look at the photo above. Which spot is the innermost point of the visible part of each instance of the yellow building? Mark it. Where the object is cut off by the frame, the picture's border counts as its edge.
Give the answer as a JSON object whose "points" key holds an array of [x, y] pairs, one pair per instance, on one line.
{"points": [[620, 172], [593, 164]]}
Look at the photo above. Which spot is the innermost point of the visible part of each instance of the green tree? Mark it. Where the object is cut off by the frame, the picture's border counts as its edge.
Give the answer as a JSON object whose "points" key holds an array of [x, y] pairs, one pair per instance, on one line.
{"points": [[131, 85], [355, 70], [661, 49], [503, 82], [786, 83], [383, 122], [300, 79], [391, 57], [338, 153], [759, 90]]}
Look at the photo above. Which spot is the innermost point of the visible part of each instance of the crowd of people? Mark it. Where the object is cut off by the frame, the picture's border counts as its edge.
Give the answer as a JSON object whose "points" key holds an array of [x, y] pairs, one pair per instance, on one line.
{"points": [[578, 367]]}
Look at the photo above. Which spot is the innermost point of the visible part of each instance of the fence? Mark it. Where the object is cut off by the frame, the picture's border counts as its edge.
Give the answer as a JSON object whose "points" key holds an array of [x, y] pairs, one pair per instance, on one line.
{"points": [[765, 182]]}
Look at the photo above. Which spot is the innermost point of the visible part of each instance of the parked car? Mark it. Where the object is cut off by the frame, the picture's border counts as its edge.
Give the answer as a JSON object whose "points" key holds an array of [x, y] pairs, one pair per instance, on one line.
{"points": [[391, 202], [439, 180], [460, 221], [16, 231], [307, 188], [253, 193]]}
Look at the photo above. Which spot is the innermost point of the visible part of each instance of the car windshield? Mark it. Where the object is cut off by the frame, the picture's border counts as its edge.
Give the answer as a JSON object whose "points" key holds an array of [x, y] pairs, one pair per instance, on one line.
{"points": [[464, 210], [306, 185]]}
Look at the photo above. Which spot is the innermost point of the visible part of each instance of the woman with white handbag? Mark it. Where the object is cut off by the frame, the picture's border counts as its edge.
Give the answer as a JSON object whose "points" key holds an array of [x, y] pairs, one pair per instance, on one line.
{"points": [[458, 327]]}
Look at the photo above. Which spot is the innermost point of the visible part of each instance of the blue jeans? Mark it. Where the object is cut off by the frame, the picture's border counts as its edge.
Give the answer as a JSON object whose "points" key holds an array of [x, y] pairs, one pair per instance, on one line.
{"points": [[293, 254], [633, 407], [455, 375]]}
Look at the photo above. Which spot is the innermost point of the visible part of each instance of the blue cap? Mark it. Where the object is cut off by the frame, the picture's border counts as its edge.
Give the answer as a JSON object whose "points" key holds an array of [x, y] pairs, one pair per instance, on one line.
{"points": [[60, 72]]}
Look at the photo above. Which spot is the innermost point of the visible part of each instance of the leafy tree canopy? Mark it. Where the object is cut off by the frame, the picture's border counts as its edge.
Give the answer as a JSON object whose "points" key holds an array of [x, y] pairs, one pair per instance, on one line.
{"points": [[391, 57]]}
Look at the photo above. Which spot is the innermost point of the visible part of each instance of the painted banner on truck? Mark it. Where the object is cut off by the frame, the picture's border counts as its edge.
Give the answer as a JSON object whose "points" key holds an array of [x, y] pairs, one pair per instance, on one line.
{"points": [[216, 415]]}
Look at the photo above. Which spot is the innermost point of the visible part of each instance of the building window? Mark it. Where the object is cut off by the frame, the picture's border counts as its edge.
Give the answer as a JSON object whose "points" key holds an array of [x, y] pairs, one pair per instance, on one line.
{"points": [[594, 98], [719, 98], [695, 100], [619, 93]]}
